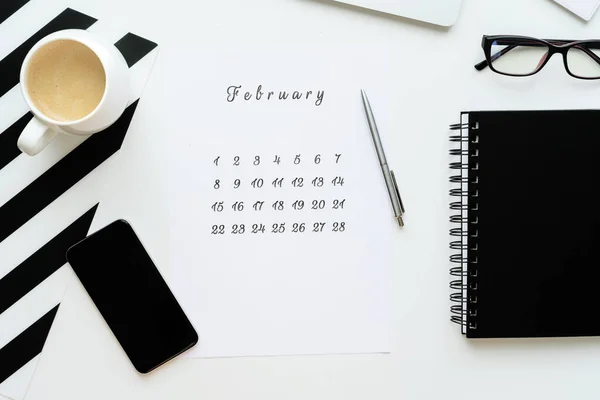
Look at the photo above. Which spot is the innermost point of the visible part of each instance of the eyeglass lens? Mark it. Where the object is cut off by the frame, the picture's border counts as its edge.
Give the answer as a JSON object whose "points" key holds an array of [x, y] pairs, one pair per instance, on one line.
{"points": [[518, 58], [584, 61]]}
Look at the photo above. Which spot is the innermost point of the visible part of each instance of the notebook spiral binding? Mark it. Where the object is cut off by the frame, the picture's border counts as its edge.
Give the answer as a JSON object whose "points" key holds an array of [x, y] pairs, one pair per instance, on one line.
{"points": [[465, 235]]}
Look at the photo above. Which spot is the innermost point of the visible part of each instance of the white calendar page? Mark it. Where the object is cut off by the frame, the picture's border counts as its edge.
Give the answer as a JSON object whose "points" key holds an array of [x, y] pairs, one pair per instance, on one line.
{"points": [[281, 224]]}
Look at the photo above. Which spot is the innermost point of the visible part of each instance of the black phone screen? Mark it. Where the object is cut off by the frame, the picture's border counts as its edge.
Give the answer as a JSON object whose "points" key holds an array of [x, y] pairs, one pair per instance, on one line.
{"points": [[132, 296]]}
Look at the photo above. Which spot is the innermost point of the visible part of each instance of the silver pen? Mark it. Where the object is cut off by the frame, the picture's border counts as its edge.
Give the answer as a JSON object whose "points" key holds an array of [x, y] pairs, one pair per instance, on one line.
{"points": [[388, 176]]}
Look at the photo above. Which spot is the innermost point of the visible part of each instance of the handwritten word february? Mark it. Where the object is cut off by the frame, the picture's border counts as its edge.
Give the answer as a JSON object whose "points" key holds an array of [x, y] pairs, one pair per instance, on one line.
{"points": [[234, 93]]}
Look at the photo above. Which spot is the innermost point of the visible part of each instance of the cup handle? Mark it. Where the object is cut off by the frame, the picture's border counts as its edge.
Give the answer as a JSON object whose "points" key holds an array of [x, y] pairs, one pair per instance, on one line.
{"points": [[35, 137]]}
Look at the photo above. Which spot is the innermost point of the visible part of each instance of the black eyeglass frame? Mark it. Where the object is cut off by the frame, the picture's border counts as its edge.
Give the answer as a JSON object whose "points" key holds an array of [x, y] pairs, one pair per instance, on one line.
{"points": [[554, 46]]}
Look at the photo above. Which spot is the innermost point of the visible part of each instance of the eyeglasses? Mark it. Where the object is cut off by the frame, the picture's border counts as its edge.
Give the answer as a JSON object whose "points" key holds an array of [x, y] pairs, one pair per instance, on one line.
{"points": [[525, 56]]}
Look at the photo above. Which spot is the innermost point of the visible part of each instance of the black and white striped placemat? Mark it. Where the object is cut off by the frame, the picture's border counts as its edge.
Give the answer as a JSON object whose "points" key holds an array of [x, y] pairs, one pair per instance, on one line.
{"points": [[32, 285]]}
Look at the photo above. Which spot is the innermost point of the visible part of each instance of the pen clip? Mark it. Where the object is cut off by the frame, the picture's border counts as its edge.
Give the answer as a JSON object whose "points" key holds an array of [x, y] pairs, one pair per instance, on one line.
{"points": [[397, 191]]}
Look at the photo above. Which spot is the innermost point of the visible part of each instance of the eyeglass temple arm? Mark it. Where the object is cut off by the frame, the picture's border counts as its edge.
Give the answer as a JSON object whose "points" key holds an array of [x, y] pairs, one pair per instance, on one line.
{"points": [[484, 64], [587, 51]]}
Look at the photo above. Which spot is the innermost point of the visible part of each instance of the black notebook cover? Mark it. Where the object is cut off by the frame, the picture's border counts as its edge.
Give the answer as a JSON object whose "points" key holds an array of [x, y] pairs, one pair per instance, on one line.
{"points": [[529, 223]]}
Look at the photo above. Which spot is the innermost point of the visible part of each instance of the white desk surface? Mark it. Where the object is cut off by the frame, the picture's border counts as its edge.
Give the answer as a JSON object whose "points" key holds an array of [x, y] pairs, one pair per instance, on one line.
{"points": [[434, 80]]}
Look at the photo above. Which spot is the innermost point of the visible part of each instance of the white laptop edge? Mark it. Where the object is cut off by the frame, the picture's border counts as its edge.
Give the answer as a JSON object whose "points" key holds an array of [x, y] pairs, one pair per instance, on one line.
{"points": [[438, 12]]}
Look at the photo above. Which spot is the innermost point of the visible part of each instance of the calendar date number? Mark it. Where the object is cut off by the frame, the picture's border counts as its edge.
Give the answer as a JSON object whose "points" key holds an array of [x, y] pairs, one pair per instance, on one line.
{"points": [[280, 228]]}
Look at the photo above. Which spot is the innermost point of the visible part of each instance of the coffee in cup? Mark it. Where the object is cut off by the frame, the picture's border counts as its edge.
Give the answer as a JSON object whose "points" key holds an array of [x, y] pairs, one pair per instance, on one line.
{"points": [[65, 80]]}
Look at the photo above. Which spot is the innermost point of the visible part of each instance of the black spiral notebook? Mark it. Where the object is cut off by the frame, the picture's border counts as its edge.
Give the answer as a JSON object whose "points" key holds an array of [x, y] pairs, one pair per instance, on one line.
{"points": [[526, 233]]}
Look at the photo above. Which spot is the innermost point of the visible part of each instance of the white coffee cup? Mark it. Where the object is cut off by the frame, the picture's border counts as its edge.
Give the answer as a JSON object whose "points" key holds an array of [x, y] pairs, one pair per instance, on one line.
{"points": [[42, 128]]}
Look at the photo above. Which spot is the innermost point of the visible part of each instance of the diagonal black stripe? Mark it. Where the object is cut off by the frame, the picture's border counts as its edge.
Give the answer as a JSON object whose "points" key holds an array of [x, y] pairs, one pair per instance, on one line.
{"points": [[63, 175], [134, 48], [26, 346], [11, 64], [8, 140], [43, 263], [9, 7]]}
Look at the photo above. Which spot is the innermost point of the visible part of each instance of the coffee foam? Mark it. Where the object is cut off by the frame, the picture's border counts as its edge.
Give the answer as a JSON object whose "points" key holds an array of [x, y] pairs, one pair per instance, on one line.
{"points": [[65, 80]]}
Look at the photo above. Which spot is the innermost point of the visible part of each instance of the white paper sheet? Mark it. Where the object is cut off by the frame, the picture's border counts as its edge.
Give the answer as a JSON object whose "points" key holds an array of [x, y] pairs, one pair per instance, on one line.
{"points": [[308, 271], [583, 8]]}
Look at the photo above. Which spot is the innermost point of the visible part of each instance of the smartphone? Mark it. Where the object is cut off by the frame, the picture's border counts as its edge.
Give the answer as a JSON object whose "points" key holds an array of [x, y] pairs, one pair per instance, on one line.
{"points": [[132, 296]]}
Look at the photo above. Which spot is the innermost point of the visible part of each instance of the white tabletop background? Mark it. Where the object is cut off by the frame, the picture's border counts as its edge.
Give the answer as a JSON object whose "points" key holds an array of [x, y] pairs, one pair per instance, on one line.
{"points": [[433, 81]]}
